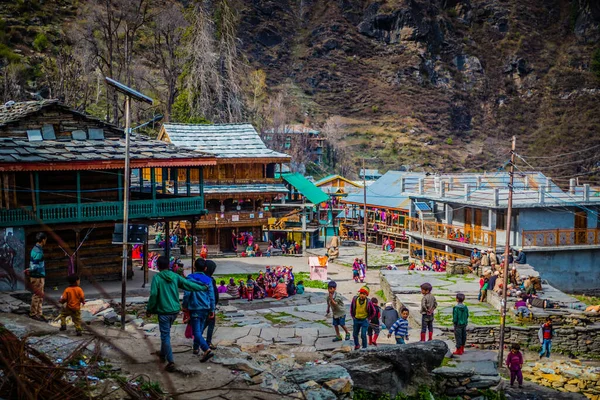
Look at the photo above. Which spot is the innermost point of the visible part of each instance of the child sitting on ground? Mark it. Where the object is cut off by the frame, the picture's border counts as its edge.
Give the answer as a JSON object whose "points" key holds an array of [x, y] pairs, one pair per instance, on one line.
{"points": [[400, 328], [243, 290], [222, 288], [521, 307], [72, 298], [300, 287], [232, 289], [250, 288]]}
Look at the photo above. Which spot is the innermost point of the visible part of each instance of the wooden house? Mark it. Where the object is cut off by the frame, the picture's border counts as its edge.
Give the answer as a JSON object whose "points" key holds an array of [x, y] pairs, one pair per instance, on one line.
{"points": [[62, 172], [236, 188]]}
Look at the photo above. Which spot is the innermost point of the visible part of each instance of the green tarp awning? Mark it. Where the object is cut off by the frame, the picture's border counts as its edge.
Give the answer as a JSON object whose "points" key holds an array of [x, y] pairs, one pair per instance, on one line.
{"points": [[305, 187]]}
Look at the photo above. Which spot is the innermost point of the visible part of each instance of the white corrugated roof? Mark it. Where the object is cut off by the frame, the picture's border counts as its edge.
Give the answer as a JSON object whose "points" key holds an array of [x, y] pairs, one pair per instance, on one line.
{"points": [[222, 140]]}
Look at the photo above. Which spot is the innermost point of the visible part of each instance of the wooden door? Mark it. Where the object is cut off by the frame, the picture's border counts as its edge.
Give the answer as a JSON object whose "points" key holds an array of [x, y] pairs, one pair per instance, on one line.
{"points": [[468, 217], [580, 227], [478, 217]]}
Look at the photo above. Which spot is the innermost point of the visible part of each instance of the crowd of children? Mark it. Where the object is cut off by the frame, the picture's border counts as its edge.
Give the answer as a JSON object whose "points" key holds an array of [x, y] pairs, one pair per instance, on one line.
{"points": [[359, 270], [439, 264]]}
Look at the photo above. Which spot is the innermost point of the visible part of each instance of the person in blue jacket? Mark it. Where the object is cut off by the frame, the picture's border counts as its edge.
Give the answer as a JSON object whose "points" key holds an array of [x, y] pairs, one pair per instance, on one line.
{"points": [[201, 306]]}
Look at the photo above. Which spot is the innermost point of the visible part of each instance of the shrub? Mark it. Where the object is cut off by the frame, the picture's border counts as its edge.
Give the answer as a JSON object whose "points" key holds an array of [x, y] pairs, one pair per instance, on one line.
{"points": [[449, 141], [375, 109], [41, 42]]}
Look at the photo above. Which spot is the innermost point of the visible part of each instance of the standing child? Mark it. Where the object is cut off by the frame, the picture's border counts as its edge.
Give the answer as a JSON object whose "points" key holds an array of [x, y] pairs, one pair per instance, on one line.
{"points": [[362, 311], [481, 282], [400, 328], [250, 287], [355, 270], [460, 319], [373, 331], [72, 298], [335, 303], [428, 306], [546, 335], [514, 362], [484, 289], [222, 287]]}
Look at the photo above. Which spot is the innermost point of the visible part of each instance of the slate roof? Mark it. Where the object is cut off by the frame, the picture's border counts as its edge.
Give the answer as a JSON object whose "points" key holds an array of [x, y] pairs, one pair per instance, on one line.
{"points": [[221, 140], [18, 150], [385, 192]]}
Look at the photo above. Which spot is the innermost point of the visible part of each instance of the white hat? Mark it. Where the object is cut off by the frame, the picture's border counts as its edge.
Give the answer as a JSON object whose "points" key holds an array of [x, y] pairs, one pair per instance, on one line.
{"points": [[389, 304]]}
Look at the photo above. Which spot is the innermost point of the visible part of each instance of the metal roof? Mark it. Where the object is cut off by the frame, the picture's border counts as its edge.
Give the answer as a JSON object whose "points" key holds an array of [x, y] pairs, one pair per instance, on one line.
{"points": [[386, 191], [306, 188], [222, 140]]}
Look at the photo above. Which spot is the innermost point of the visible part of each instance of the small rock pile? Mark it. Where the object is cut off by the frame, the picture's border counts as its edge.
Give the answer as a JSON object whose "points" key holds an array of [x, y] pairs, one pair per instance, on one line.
{"points": [[566, 377]]}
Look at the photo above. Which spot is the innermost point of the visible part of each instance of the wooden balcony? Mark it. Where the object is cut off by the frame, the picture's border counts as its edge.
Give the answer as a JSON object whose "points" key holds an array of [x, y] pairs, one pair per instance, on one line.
{"points": [[431, 253], [101, 211], [561, 238], [233, 219], [238, 181], [460, 234]]}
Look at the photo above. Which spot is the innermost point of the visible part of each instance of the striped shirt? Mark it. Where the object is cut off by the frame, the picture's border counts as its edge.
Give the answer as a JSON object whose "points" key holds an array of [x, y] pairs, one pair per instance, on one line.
{"points": [[400, 328]]}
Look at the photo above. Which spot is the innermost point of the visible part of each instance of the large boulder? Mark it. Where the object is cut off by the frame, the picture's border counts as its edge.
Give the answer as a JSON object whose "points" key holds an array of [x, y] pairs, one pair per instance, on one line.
{"points": [[395, 368]]}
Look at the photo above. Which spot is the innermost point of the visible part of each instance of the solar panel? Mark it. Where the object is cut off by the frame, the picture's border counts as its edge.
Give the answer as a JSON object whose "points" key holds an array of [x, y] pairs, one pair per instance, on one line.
{"points": [[422, 206], [34, 135], [48, 132]]}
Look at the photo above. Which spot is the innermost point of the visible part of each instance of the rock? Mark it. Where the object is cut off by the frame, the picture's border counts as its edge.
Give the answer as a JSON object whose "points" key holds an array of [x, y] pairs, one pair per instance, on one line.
{"points": [[317, 373], [111, 317], [343, 349], [391, 369], [95, 306], [309, 385], [341, 385], [87, 317], [571, 388], [269, 382], [239, 364], [138, 322], [320, 394], [104, 312], [454, 372], [252, 348]]}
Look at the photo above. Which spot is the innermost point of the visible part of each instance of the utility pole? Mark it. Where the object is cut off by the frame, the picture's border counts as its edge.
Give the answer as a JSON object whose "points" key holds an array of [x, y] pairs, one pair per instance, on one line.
{"points": [[365, 209], [507, 250]]}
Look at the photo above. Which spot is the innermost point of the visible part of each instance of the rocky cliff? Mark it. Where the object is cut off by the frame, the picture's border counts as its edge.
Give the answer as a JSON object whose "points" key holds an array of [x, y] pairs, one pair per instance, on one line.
{"points": [[439, 83]]}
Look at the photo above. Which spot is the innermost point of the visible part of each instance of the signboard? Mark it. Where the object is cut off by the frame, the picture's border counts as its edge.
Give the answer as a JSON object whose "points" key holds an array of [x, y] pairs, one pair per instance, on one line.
{"points": [[251, 216], [235, 218], [318, 268], [261, 215]]}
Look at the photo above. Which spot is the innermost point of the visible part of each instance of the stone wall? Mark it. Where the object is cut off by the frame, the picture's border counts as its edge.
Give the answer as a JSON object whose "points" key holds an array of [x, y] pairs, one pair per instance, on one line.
{"points": [[583, 341]]}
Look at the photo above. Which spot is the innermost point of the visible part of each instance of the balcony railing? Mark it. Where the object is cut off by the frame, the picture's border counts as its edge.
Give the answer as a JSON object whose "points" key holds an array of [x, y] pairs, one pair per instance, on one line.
{"points": [[561, 237], [467, 234], [431, 253], [101, 211], [233, 218], [238, 181]]}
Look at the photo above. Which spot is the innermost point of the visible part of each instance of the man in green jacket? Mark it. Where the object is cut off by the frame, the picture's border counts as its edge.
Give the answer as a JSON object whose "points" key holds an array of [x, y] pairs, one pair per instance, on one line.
{"points": [[164, 301], [37, 277]]}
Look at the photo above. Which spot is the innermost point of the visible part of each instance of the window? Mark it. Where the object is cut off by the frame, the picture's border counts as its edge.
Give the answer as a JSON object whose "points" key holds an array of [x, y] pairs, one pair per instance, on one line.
{"points": [[288, 142], [485, 218], [458, 216]]}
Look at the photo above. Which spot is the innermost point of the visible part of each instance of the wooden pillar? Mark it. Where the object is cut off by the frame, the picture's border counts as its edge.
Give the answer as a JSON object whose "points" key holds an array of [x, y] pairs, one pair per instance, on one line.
{"points": [[218, 239], [254, 205], [141, 180], [6, 192], [234, 172], [145, 262], [78, 185], [77, 244], [165, 171], [33, 203], [36, 178], [188, 182], [193, 242], [265, 171], [120, 184], [175, 173]]}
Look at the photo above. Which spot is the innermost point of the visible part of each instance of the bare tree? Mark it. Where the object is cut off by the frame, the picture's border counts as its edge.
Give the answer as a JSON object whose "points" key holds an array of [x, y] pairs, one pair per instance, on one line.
{"points": [[213, 76], [167, 28], [335, 133]]}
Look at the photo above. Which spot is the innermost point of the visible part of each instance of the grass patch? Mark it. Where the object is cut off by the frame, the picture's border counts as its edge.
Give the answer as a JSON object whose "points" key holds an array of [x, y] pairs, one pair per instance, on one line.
{"points": [[589, 300], [381, 295], [277, 318]]}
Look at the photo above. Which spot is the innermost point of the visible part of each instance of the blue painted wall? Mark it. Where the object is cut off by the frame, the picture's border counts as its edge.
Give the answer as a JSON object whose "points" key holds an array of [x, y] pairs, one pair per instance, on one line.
{"points": [[568, 270], [535, 219]]}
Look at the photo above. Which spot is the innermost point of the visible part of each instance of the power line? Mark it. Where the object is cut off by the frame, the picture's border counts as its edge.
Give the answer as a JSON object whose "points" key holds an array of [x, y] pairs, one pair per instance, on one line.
{"points": [[564, 154]]}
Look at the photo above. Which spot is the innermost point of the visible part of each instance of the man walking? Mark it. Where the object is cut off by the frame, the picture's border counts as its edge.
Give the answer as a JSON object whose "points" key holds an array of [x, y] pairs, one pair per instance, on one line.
{"points": [[37, 277], [164, 301]]}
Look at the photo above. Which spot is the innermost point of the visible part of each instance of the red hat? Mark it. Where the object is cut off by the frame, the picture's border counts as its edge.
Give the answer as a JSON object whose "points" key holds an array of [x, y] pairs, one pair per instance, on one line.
{"points": [[364, 290]]}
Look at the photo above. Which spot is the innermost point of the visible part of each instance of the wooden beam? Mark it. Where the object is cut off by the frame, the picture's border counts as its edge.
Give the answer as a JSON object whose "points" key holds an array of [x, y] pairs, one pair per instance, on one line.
{"points": [[78, 178], [6, 193], [77, 242], [103, 165], [31, 182], [175, 172], [188, 182], [14, 186], [120, 189]]}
